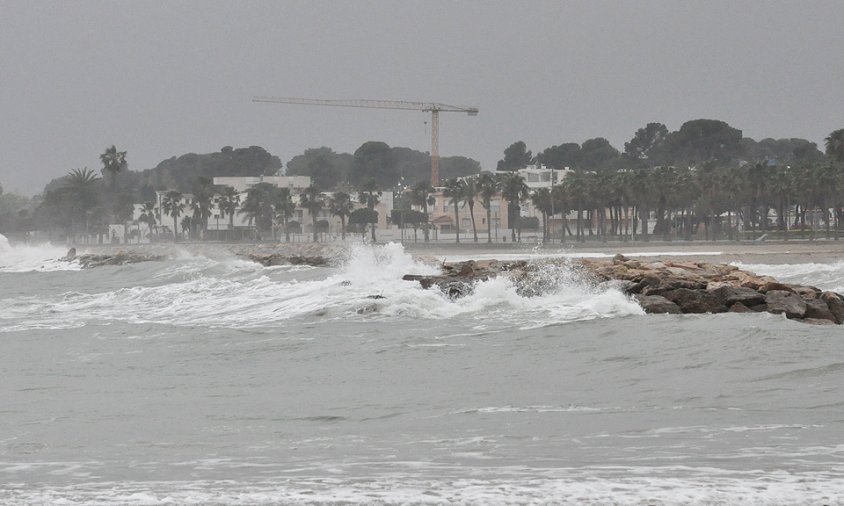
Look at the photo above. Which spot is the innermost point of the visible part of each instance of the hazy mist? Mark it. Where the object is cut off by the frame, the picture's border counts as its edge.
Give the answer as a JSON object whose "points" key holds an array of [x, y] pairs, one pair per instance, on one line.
{"points": [[160, 79]]}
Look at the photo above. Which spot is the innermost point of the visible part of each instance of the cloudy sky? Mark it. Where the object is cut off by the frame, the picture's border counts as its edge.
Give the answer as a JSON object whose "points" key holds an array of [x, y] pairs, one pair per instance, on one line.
{"points": [[163, 78]]}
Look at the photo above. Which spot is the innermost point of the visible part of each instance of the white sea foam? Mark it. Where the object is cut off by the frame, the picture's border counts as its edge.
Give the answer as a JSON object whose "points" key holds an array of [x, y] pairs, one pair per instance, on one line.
{"points": [[539, 254], [827, 276], [26, 258], [200, 291], [623, 486]]}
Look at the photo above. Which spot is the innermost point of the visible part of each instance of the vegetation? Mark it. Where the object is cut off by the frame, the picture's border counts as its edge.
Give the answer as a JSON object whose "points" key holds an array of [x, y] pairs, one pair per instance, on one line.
{"points": [[704, 180], [311, 199]]}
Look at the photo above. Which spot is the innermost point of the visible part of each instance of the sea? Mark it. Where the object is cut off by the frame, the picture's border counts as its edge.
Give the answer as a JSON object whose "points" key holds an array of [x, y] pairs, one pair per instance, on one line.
{"points": [[208, 379]]}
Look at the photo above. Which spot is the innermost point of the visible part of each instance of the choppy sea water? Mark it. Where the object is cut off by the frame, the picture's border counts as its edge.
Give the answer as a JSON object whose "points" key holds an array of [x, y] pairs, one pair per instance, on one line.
{"points": [[217, 381]]}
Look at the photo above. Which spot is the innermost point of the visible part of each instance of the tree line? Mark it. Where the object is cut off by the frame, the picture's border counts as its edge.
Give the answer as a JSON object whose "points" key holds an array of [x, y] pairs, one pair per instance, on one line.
{"points": [[704, 174]]}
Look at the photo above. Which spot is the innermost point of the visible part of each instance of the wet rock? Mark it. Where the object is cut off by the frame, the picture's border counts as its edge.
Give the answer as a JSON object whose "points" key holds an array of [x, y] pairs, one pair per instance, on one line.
{"points": [[729, 295], [807, 292], [738, 307], [819, 310], [275, 259], [619, 259], [771, 286], [71, 254], [119, 258], [787, 302], [624, 286], [660, 287], [656, 304], [456, 289], [695, 301], [836, 305]]}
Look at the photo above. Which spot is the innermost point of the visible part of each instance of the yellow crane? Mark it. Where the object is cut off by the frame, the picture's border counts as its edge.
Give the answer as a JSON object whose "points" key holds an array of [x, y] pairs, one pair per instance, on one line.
{"points": [[433, 107]]}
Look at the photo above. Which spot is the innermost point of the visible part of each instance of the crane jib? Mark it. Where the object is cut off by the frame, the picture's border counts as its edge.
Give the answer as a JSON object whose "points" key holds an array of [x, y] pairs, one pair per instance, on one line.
{"points": [[433, 107]]}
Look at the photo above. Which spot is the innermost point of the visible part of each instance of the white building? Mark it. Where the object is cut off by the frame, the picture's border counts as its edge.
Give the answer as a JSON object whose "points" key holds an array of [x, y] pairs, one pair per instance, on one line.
{"points": [[541, 176], [242, 183]]}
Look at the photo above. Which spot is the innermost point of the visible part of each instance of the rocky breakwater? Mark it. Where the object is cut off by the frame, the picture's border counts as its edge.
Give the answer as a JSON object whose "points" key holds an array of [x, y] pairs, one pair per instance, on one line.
{"points": [[313, 254], [89, 261], [273, 259], [659, 287]]}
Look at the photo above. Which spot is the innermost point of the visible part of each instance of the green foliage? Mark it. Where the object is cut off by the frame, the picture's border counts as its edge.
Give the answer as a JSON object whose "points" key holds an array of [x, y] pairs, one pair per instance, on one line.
{"points": [[311, 199], [363, 216], [647, 144], [565, 155], [114, 162], [180, 173], [258, 206], [781, 151], [597, 153], [704, 140], [374, 161], [326, 168], [173, 205], [835, 145], [516, 157]]}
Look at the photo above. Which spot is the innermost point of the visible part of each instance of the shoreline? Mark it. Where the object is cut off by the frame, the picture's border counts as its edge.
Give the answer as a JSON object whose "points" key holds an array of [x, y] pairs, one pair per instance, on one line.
{"points": [[780, 252]]}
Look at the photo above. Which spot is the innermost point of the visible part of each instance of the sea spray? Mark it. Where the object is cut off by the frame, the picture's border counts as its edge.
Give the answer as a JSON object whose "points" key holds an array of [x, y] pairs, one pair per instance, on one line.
{"points": [[826, 276], [198, 291], [29, 257]]}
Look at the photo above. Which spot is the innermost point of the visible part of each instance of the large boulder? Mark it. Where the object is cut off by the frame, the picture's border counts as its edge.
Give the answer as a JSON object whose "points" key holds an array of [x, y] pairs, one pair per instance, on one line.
{"points": [[655, 304], [695, 301], [729, 295], [818, 309], [789, 303], [836, 305]]}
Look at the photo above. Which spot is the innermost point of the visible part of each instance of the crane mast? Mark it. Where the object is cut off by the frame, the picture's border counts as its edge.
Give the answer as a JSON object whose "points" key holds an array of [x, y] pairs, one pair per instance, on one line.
{"points": [[433, 107]]}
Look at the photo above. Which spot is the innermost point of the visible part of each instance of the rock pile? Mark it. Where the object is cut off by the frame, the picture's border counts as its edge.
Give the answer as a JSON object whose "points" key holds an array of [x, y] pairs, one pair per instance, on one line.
{"points": [[119, 258], [659, 287], [273, 259]]}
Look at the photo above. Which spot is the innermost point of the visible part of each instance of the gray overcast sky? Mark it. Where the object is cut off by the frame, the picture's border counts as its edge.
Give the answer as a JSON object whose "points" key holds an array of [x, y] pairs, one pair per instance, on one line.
{"points": [[160, 79]]}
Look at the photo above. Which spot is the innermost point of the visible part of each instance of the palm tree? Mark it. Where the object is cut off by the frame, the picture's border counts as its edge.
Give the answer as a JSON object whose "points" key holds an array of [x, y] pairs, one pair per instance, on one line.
{"points": [[81, 185], [454, 190], [203, 198], [514, 190], [284, 208], [113, 163], [340, 204], [561, 201], [172, 205], [541, 199], [148, 215], [370, 196], [311, 199], [835, 145], [420, 195], [470, 192], [228, 201], [488, 187], [258, 206]]}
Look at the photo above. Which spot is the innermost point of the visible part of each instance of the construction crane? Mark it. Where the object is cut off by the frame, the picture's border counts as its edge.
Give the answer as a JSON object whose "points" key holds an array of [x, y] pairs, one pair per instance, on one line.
{"points": [[433, 107]]}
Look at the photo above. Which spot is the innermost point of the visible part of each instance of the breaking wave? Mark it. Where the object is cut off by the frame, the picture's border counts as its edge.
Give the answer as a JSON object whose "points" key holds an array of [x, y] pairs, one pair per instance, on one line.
{"points": [[233, 293], [518, 486], [826, 276], [26, 258]]}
